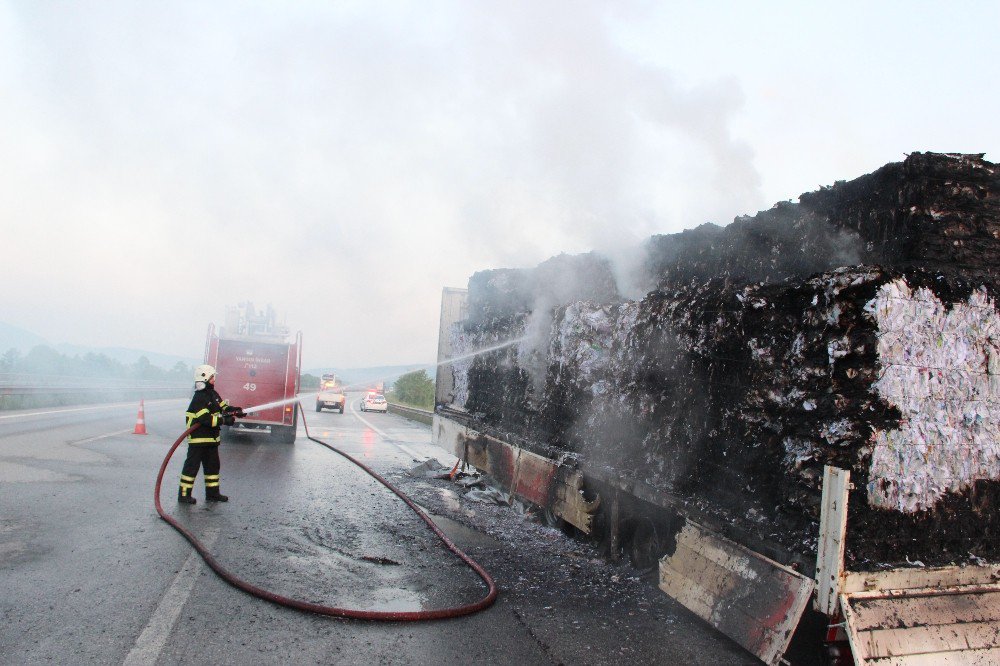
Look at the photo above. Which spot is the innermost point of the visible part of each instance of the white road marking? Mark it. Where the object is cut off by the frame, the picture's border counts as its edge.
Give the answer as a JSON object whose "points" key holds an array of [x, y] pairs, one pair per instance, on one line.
{"points": [[405, 449], [94, 439], [151, 641], [79, 409]]}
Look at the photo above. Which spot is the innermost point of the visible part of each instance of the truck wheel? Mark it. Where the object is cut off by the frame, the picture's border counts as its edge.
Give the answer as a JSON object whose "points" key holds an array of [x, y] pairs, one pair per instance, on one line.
{"points": [[283, 434], [551, 519], [319, 407], [341, 409], [644, 545]]}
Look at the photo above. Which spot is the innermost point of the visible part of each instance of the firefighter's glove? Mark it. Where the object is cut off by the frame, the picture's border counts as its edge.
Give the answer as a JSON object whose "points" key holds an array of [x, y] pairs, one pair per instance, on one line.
{"points": [[228, 419], [238, 412]]}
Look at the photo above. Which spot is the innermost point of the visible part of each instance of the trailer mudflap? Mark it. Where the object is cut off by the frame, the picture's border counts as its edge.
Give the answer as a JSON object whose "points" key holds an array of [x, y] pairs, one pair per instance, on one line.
{"points": [[753, 600], [924, 625]]}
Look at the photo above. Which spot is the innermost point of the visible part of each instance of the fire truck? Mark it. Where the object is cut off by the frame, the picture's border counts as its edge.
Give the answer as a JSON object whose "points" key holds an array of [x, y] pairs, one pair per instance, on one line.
{"points": [[257, 365]]}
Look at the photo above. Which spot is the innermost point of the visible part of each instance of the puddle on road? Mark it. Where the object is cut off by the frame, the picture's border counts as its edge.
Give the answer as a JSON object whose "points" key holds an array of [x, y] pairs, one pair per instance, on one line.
{"points": [[396, 599], [462, 536], [390, 598]]}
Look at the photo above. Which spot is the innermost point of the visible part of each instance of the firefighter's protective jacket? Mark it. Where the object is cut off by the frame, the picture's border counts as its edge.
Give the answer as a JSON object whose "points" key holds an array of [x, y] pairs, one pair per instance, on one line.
{"points": [[206, 408]]}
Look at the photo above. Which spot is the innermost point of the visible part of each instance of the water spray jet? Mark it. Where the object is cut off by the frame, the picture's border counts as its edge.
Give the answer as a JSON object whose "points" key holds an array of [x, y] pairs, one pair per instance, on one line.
{"points": [[358, 385]]}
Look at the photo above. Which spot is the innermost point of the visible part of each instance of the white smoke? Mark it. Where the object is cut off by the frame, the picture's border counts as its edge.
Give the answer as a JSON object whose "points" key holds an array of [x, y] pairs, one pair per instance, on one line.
{"points": [[332, 151]]}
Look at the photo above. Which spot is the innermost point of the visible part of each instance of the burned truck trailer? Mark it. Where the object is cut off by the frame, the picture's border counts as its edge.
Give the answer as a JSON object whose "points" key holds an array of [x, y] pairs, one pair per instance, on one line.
{"points": [[810, 394]]}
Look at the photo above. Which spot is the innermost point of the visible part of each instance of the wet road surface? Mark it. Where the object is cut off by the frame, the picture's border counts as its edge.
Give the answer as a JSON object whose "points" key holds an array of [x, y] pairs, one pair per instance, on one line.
{"points": [[92, 575]]}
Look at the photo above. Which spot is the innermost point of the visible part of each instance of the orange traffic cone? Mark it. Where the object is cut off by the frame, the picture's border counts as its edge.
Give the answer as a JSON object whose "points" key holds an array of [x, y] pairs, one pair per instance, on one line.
{"points": [[140, 421]]}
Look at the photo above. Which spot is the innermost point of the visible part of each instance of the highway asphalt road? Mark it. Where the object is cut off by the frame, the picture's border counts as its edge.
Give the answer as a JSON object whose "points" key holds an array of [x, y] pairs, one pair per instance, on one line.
{"points": [[91, 575]]}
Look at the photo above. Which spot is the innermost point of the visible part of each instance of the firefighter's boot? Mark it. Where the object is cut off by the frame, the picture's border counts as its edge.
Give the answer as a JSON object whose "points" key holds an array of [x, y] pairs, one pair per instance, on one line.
{"points": [[213, 495], [184, 492]]}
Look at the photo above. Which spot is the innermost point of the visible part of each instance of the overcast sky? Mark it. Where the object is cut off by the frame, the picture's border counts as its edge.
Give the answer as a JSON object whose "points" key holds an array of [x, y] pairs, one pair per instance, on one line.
{"points": [[344, 161]]}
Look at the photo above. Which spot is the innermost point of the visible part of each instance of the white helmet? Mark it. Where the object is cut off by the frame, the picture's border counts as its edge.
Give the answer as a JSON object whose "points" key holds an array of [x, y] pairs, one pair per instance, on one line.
{"points": [[203, 373]]}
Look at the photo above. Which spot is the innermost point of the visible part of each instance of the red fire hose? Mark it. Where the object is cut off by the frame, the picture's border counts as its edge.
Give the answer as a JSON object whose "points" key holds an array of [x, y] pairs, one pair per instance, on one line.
{"points": [[396, 616]]}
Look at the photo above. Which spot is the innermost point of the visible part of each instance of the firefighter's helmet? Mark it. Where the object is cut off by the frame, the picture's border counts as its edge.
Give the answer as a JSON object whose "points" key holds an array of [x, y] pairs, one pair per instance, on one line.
{"points": [[203, 373]]}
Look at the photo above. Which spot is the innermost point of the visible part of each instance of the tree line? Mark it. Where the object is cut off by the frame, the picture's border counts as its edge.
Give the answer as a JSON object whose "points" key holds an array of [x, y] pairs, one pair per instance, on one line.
{"points": [[415, 389], [43, 360]]}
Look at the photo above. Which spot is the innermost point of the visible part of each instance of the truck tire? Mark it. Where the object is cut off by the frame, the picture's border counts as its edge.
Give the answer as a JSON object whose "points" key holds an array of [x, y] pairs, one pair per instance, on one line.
{"points": [[283, 434], [286, 434], [551, 519], [319, 407], [341, 409], [644, 544]]}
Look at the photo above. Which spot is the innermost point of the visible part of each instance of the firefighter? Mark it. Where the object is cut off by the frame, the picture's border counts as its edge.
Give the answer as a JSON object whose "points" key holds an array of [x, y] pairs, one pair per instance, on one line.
{"points": [[211, 412]]}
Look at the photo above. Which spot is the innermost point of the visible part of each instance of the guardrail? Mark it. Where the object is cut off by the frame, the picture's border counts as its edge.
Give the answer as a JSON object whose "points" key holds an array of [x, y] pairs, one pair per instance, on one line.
{"points": [[48, 391], [32, 382], [412, 413]]}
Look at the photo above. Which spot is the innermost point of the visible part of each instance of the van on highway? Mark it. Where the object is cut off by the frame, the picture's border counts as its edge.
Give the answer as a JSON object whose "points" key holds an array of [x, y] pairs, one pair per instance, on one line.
{"points": [[330, 395]]}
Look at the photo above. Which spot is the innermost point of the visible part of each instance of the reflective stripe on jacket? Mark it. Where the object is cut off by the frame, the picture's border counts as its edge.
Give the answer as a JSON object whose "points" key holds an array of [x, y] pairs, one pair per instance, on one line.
{"points": [[206, 409]]}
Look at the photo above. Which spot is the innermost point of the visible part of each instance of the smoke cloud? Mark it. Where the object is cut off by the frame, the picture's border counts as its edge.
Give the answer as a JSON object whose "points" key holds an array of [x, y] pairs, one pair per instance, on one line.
{"points": [[340, 162]]}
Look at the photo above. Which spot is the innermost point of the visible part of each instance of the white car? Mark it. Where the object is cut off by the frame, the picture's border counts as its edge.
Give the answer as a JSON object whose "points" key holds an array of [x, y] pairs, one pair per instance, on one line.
{"points": [[332, 397], [373, 402]]}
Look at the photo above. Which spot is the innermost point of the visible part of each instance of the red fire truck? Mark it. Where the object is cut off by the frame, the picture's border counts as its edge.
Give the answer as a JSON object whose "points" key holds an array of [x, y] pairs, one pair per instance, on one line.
{"points": [[257, 366]]}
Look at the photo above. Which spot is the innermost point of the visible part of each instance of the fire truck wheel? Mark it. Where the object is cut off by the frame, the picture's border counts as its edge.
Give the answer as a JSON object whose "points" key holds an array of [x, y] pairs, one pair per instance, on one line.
{"points": [[283, 434]]}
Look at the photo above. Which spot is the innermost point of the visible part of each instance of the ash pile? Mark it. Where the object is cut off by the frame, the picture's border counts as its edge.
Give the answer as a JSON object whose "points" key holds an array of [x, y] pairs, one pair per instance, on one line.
{"points": [[857, 328]]}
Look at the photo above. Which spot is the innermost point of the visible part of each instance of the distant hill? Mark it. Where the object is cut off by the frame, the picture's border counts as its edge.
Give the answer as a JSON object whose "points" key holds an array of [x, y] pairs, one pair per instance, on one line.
{"points": [[127, 356], [362, 377], [24, 341], [18, 338]]}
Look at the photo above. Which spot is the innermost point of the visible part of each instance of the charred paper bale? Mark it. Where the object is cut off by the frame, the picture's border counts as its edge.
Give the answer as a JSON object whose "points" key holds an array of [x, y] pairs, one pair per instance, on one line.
{"points": [[734, 382], [933, 210]]}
